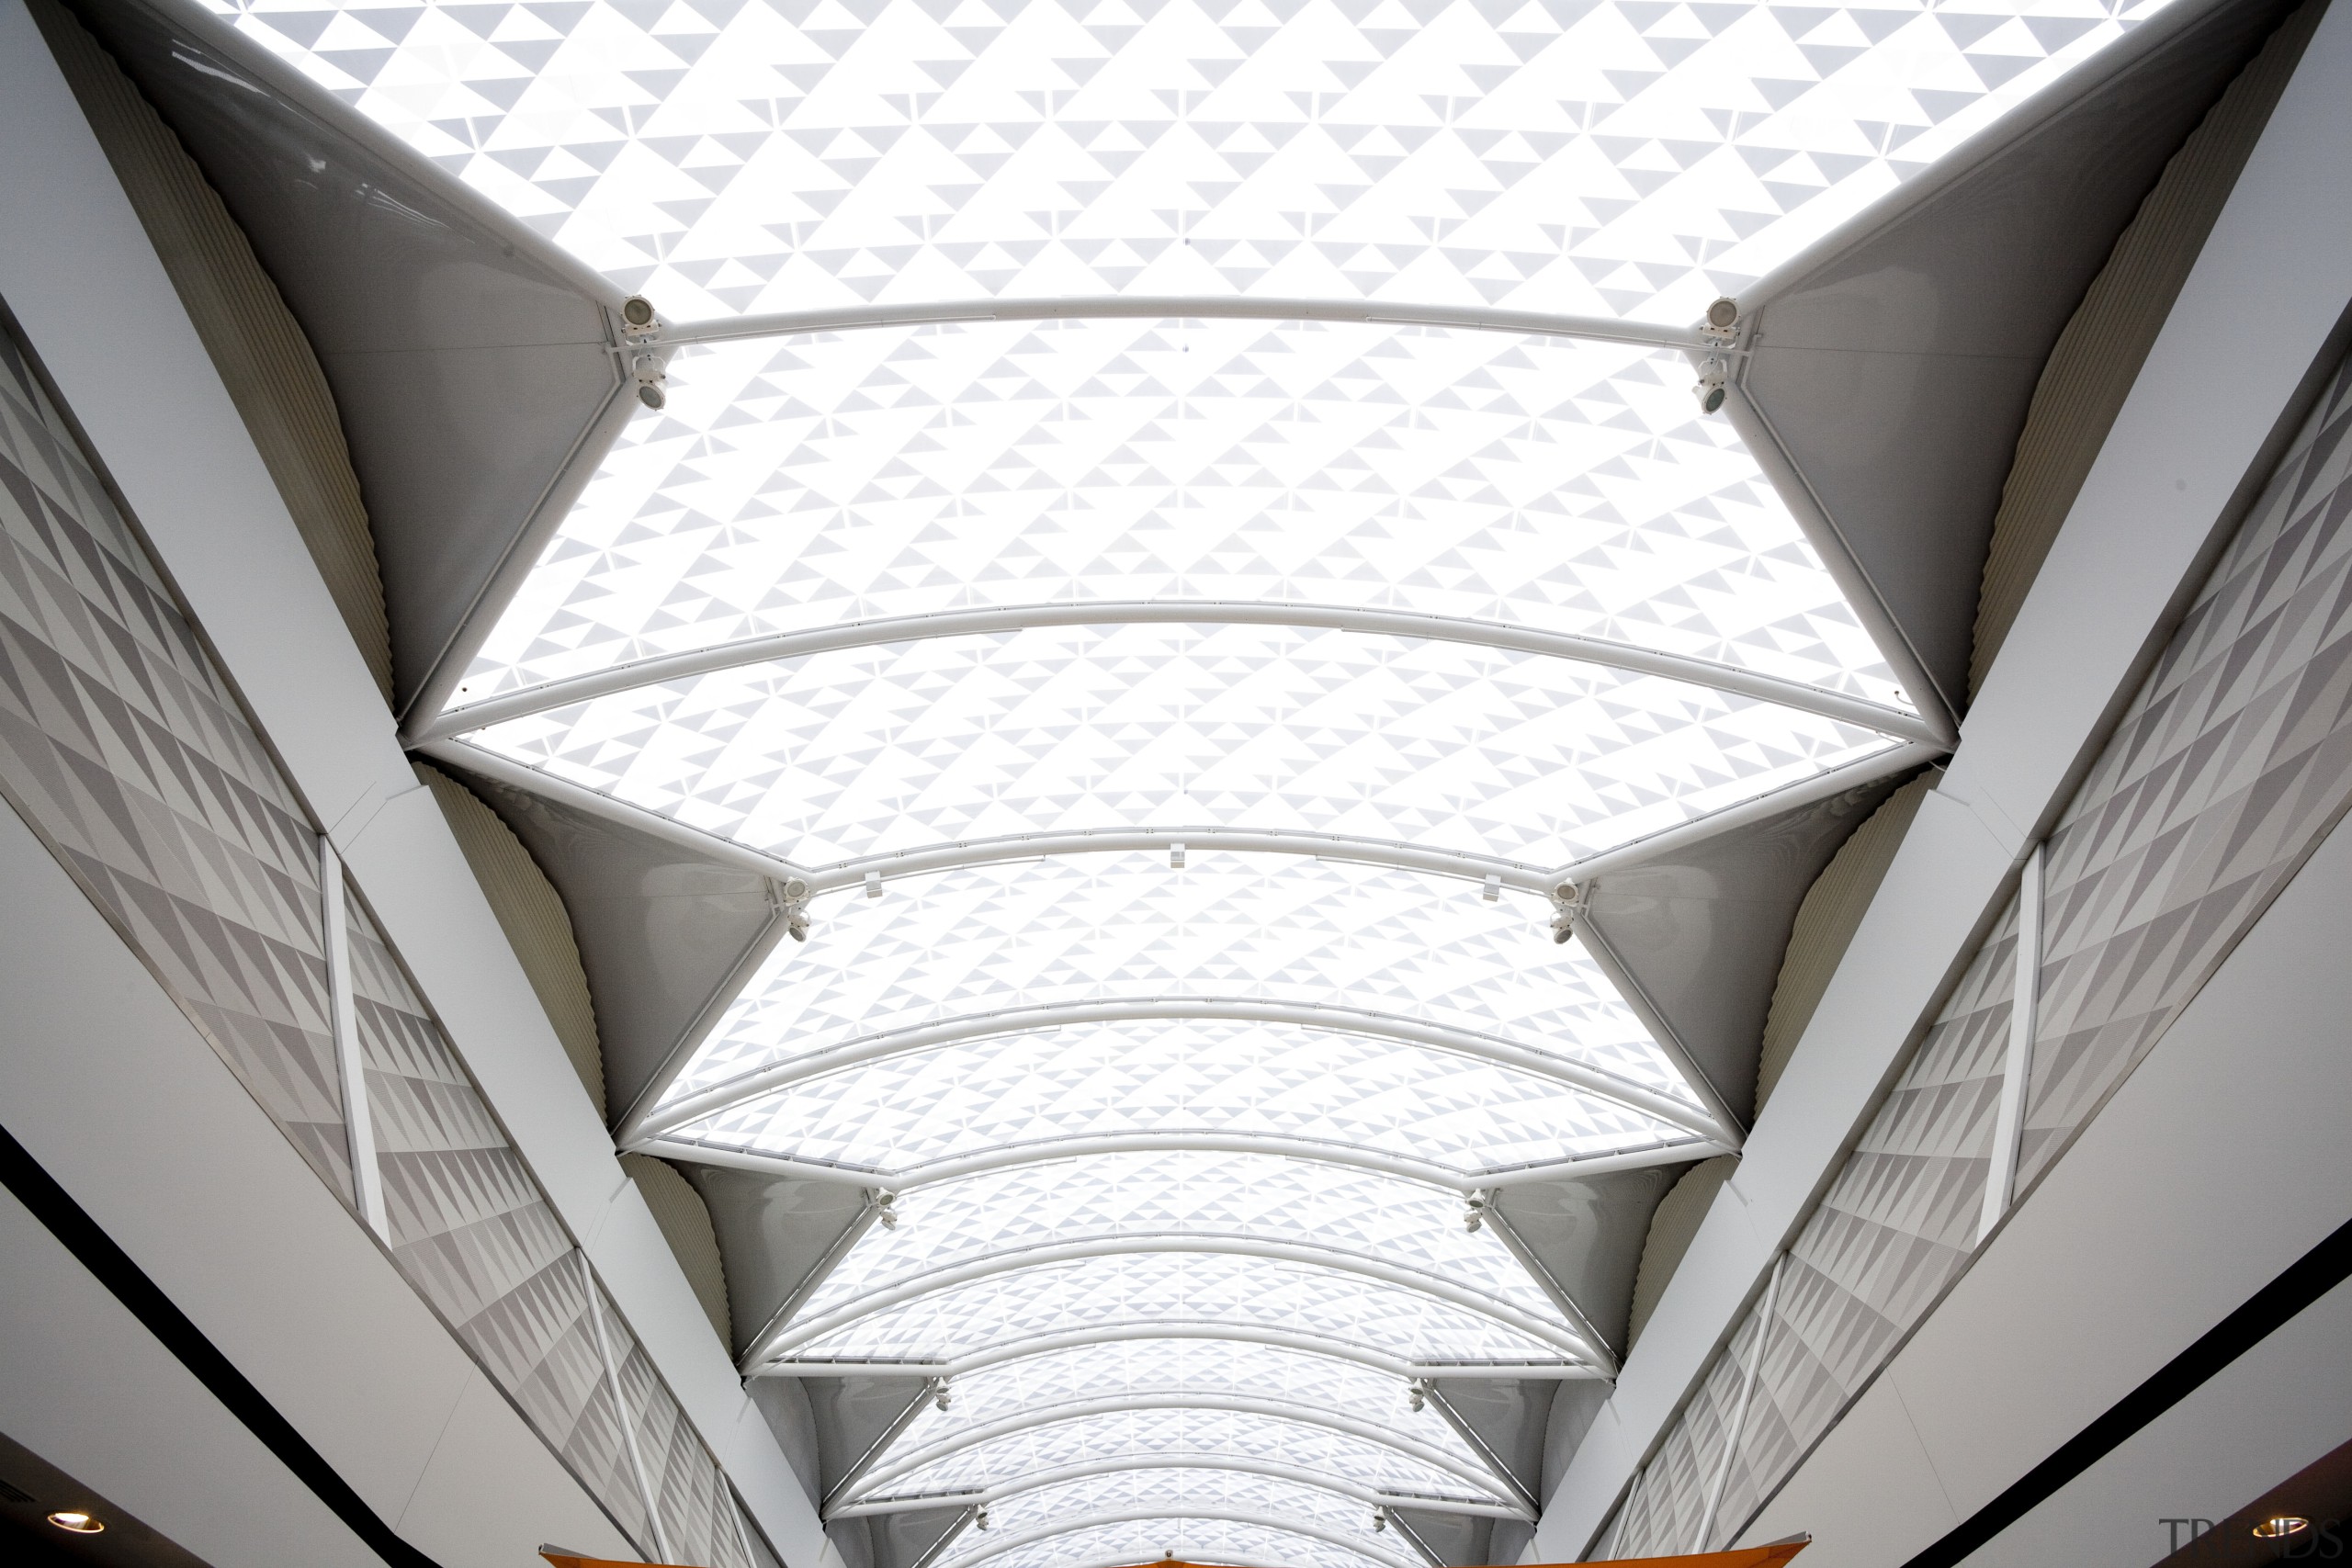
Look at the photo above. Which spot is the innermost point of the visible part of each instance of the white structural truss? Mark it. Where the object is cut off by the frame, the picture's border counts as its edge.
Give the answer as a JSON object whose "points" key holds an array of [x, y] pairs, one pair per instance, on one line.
{"points": [[1181, 545]]}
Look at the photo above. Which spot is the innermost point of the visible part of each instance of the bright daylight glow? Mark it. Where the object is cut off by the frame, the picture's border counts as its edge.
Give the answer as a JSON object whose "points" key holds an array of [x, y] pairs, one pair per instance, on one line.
{"points": [[1222, 1331]]}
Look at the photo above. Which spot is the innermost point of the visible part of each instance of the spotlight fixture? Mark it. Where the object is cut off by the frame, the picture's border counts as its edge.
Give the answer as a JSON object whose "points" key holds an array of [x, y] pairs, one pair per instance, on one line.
{"points": [[1416, 1394], [795, 909], [652, 372], [940, 1394], [1474, 1212], [886, 1208], [75, 1521], [1714, 384], [1379, 1519], [1719, 327], [637, 314], [1566, 908], [2277, 1528], [980, 1516]]}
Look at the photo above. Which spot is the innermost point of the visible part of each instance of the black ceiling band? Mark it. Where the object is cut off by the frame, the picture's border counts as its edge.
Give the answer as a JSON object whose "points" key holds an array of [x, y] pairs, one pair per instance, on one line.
{"points": [[97, 1251], [2310, 1277]]}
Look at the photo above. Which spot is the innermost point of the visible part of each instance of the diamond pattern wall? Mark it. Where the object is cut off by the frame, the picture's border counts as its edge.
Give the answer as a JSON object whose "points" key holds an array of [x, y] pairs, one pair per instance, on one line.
{"points": [[120, 748], [2232, 763], [125, 750]]}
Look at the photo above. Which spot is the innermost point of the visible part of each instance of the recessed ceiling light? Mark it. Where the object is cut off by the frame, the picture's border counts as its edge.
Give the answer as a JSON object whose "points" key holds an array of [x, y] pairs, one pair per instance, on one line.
{"points": [[2278, 1528], [75, 1520]]}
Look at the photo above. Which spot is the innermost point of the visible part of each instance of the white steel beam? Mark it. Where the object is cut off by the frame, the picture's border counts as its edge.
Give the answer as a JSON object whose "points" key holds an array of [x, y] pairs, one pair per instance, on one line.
{"points": [[777, 1341], [995, 619], [1679, 1151], [1047, 1344], [1684, 836], [856, 318], [2016, 1062], [880, 1475], [1372, 1498], [351, 1064], [1230, 1010], [1367, 1550]]}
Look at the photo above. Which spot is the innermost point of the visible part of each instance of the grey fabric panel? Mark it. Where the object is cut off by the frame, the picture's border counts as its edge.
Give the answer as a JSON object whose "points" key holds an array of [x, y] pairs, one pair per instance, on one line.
{"points": [[1898, 363], [1589, 1234], [772, 1230], [2099, 355], [264, 360], [661, 933], [679, 1210], [532, 915], [468, 356], [2232, 763], [1825, 924], [1702, 933], [123, 747]]}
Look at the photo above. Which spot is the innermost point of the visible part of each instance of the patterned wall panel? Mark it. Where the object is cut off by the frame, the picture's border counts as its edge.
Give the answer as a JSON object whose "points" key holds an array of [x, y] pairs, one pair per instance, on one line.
{"points": [[118, 746], [2232, 764], [2227, 770], [122, 746]]}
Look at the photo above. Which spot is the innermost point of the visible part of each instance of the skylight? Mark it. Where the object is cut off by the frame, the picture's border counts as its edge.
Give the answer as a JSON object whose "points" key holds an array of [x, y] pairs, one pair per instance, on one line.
{"points": [[1185, 736]]}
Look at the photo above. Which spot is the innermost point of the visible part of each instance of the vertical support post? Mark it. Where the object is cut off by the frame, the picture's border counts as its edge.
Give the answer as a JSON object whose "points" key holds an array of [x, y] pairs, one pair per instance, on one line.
{"points": [[343, 1021], [620, 1411], [1739, 1426], [2017, 1067]]}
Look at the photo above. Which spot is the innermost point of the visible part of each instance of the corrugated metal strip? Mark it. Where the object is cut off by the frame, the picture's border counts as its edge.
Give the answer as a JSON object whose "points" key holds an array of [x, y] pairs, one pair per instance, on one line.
{"points": [[1671, 1228], [535, 920], [262, 356], [1825, 924], [684, 1220], [2099, 355]]}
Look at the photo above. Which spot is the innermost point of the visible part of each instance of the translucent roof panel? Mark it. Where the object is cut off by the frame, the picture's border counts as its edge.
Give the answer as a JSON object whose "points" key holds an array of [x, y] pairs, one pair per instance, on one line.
{"points": [[1004, 1214], [1147, 1366], [1177, 1492], [1479, 750], [1619, 158], [1409, 1461], [1568, 486], [1189, 1540], [1319, 1093], [1147, 1289], [1083, 928]]}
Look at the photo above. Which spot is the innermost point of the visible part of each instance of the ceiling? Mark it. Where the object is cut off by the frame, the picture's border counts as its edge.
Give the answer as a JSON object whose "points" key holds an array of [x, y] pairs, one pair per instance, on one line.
{"points": [[1179, 759]]}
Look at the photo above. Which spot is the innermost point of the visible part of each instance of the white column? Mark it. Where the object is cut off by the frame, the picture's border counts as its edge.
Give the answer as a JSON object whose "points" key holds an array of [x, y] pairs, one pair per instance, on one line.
{"points": [[1739, 1426], [343, 1019], [2009, 1122], [620, 1411]]}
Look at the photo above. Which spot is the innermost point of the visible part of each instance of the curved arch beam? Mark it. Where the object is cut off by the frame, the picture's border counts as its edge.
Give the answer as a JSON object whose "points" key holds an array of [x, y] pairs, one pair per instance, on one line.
{"points": [[1706, 672], [779, 1340], [1468, 1473], [1079, 1339], [1362, 1549], [1338, 1486], [1180, 307], [694, 1108], [1678, 1151]]}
